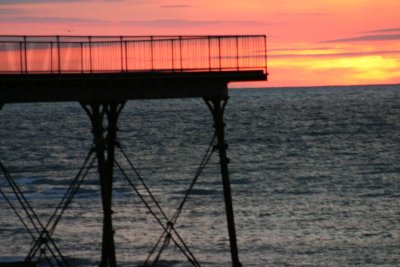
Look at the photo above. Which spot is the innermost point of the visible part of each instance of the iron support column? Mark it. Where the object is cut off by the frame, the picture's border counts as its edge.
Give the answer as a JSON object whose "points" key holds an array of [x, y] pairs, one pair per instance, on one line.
{"points": [[105, 140], [217, 107]]}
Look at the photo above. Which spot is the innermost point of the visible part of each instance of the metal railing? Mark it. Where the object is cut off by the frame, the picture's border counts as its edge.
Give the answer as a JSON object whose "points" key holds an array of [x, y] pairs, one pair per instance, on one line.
{"points": [[101, 54]]}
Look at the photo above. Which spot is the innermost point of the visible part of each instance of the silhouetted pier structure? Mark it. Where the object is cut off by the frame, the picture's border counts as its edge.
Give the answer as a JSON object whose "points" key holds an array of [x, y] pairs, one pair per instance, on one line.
{"points": [[102, 73]]}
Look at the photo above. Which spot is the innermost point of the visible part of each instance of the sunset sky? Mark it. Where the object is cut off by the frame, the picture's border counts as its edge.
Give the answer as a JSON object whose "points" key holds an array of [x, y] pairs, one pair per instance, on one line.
{"points": [[310, 42]]}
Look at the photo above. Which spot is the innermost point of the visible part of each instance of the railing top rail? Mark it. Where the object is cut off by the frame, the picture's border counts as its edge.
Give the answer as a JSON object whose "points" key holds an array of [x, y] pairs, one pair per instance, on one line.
{"points": [[104, 38], [134, 36]]}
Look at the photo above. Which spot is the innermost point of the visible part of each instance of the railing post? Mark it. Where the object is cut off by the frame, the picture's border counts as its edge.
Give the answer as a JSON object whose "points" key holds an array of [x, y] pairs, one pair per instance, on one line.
{"points": [[82, 70], [26, 56], [151, 53], [237, 53], [209, 52], [51, 57], [219, 53], [122, 56], [58, 54], [126, 55], [90, 54], [21, 57], [172, 54], [265, 54], [180, 52]]}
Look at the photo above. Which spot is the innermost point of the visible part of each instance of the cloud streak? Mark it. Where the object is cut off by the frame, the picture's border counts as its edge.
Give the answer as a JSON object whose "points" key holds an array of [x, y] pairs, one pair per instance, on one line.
{"points": [[18, 2], [301, 49], [302, 14], [175, 6], [178, 23], [333, 55], [379, 37], [11, 11], [385, 30], [72, 20]]}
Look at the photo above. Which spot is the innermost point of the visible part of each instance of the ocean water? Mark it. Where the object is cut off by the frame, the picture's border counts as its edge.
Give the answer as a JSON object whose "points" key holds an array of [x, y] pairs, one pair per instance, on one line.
{"points": [[315, 176]]}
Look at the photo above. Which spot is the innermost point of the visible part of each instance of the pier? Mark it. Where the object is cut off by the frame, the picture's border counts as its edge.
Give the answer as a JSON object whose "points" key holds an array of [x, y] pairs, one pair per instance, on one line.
{"points": [[102, 73]]}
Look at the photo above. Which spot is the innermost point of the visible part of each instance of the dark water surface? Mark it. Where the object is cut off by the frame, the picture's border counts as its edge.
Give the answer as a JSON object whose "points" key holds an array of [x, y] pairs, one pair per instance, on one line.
{"points": [[315, 177]]}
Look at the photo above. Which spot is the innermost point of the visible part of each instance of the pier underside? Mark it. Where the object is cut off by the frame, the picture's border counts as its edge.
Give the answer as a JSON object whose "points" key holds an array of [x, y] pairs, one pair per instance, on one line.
{"points": [[119, 86]]}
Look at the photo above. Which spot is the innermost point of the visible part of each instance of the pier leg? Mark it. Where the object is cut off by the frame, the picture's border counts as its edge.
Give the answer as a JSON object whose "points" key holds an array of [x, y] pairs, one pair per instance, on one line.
{"points": [[217, 107], [104, 140]]}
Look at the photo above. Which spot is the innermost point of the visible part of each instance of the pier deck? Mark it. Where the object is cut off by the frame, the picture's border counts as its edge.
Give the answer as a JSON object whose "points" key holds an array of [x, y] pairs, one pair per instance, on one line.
{"points": [[117, 86], [78, 68]]}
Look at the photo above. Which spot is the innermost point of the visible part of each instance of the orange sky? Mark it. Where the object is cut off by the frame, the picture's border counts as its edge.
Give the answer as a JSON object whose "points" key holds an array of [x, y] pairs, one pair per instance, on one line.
{"points": [[310, 42]]}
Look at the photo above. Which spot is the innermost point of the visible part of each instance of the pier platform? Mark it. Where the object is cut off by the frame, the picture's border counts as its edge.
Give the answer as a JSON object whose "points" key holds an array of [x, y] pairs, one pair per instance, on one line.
{"points": [[80, 68]]}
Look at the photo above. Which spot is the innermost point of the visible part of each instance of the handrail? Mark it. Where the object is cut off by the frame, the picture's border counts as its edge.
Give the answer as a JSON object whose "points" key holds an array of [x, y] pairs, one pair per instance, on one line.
{"points": [[100, 54]]}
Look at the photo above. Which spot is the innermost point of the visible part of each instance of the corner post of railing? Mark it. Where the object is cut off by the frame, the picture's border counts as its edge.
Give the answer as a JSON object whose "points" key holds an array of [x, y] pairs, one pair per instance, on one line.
{"points": [[219, 53], [209, 52], [151, 53], [180, 52], [122, 53], [265, 54], [25, 56], [58, 54], [237, 53], [90, 54]]}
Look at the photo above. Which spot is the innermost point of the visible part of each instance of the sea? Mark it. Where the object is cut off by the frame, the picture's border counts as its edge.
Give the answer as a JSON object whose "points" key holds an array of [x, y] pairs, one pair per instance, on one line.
{"points": [[315, 178]]}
